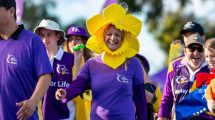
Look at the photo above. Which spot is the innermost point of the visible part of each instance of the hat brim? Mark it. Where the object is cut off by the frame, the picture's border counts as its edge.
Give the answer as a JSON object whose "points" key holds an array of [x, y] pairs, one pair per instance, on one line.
{"points": [[85, 36], [62, 34], [194, 43], [187, 30]]}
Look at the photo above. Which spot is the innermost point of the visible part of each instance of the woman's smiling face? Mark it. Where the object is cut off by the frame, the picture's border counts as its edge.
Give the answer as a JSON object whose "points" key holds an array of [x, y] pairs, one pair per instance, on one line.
{"points": [[113, 38]]}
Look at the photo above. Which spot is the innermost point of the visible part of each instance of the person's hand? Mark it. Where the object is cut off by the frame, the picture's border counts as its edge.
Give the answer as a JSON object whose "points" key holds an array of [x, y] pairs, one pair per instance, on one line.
{"points": [[27, 108], [155, 115], [150, 97], [60, 94], [78, 60]]}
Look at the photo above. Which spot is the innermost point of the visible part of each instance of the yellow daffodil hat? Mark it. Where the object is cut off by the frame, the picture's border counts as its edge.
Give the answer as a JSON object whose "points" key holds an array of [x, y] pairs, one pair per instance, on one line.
{"points": [[116, 15]]}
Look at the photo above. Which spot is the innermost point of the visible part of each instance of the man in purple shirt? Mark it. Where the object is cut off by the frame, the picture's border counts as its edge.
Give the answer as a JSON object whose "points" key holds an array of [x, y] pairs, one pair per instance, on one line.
{"points": [[181, 74], [25, 71]]}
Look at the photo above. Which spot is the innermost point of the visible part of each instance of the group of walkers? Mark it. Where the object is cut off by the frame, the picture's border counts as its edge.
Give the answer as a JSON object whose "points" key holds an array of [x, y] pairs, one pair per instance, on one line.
{"points": [[50, 74]]}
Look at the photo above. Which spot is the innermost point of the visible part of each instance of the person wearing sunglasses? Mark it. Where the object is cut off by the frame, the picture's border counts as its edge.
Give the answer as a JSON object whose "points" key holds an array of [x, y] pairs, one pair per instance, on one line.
{"points": [[194, 51], [181, 80]]}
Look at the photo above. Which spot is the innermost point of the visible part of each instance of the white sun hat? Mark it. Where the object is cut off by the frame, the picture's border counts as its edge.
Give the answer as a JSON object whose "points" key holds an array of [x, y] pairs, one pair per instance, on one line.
{"points": [[51, 25]]}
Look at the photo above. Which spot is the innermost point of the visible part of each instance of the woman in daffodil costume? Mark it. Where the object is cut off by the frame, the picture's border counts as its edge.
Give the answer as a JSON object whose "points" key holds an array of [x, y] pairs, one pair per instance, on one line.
{"points": [[116, 76]]}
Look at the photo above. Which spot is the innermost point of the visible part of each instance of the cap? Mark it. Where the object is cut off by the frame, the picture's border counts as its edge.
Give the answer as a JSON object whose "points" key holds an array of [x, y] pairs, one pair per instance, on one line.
{"points": [[194, 38], [192, 27], [51, 25], [76, 30]]}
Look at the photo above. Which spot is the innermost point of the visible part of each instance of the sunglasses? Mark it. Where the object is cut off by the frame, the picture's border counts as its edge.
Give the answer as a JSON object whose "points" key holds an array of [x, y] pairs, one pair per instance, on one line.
{"points": [[194, 48]]}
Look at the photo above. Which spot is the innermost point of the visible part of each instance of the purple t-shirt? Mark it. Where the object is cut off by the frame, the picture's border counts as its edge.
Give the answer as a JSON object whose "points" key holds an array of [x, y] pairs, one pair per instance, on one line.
{"points": [[23, 61], [116, 92], [53, 109]]}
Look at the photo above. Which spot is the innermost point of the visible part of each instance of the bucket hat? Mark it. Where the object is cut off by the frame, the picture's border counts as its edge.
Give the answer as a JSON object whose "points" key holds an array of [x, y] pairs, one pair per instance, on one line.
{"points": [[51, 25]]}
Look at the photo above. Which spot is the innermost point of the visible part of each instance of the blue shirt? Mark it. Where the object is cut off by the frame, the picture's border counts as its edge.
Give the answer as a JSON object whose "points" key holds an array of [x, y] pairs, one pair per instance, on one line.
{"points": [[23, 61]]}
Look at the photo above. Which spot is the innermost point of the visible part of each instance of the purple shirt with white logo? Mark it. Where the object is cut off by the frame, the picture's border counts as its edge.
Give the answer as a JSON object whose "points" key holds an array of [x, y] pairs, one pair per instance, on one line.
{"points": [[117, 93], [53, 109], [23, 61], [177, 87]]}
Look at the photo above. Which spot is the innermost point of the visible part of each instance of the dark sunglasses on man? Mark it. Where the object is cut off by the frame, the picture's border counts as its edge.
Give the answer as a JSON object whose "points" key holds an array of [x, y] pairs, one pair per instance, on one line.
{"points": [[194, 48]]}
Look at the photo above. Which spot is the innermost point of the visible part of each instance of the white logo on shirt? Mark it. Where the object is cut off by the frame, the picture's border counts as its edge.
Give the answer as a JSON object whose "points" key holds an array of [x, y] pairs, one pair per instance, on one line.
{"points": [[61, 69], [181, 80], [122, 78], [11, 59]]}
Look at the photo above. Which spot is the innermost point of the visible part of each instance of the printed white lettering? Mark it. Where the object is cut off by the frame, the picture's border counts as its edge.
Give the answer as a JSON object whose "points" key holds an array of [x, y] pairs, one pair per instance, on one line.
{"points": [[181, 91], [62, 84], [53, 84]]}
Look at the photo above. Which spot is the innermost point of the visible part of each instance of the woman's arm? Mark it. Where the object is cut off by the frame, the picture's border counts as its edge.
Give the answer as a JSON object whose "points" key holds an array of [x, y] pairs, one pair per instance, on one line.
{"points": [[76, 87]]}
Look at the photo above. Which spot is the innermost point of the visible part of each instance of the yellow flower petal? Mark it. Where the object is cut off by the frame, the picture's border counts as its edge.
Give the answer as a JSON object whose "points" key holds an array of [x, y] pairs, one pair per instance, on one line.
{"points": [[132, 24], [114, 13], [93, 45], [133, 49], [95, 23]]}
